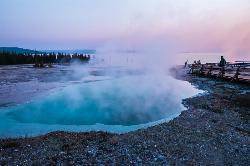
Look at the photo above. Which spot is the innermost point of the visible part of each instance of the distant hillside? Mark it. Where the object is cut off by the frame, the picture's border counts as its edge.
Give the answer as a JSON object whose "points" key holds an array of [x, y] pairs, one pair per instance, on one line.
{"points": [[28, 51], [18, 50], [78, 51]]}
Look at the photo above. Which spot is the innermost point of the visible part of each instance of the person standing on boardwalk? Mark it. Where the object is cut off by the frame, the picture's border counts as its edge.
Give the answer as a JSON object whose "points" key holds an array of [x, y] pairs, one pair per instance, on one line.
{"points": [[186, 64], [223, 62]]}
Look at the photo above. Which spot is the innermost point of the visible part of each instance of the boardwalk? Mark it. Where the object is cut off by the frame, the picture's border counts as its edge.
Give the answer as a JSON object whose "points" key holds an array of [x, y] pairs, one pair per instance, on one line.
{"points": [[236, 72]]}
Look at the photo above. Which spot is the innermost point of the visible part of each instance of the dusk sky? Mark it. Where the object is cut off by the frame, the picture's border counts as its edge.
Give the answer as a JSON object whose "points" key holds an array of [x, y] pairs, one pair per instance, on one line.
{"points": [[184, 26]]}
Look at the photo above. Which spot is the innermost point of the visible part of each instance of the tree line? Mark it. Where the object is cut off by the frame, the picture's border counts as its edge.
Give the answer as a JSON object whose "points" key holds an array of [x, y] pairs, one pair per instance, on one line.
{"points": [[12, 58]]}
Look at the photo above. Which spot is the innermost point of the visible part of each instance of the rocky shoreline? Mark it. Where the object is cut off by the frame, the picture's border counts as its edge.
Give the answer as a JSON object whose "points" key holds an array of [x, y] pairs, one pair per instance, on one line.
{"points": [[214, 130]]}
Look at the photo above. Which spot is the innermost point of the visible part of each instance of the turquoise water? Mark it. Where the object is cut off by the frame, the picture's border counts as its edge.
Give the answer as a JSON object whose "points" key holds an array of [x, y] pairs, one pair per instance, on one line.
{"points": [[117, 104]]}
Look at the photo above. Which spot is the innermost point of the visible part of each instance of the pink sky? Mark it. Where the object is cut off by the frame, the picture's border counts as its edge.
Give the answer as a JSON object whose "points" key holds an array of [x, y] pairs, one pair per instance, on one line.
{"points": [[173, 26]]}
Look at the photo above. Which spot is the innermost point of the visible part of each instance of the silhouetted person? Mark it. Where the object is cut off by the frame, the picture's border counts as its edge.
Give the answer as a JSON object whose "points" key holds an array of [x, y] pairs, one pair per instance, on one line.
{"points": [[186, 64], [199, 62], [223, 62]]}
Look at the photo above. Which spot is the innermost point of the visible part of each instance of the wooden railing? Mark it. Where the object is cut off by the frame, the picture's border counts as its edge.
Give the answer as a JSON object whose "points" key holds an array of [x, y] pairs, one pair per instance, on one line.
{"points": [[239, 72]]}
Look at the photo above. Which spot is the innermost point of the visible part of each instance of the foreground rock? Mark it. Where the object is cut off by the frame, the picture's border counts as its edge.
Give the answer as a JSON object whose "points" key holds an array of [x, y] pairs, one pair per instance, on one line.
{"points": [[215, 130]]}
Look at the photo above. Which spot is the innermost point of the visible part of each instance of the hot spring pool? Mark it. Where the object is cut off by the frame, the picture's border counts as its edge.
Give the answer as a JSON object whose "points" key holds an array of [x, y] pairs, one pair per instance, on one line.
{"points": [[117, 104]]}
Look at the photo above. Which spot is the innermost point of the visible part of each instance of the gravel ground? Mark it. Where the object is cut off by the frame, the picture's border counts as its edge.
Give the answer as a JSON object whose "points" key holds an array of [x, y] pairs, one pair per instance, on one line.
{"points": [[214, 130]]}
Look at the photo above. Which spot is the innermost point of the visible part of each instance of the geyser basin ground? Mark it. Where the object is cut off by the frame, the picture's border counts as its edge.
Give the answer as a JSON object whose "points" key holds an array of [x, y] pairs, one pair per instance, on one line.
{"points": [[114, 104]]}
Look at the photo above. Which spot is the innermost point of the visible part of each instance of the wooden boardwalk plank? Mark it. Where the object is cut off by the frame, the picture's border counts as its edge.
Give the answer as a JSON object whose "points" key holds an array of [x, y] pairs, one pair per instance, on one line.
{"points": [[233, 72]]}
